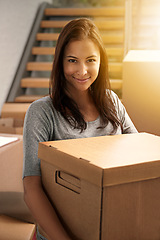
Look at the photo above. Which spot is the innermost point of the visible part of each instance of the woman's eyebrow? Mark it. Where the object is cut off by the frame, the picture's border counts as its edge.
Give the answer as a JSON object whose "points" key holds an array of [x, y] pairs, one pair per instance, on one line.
{"points": [[71, 57], [92, 56]]}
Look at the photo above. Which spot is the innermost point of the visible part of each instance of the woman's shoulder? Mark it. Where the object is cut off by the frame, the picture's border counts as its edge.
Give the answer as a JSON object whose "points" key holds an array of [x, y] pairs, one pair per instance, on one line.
{"points": [[119, 107], [41, 108], [39, 114], [42, 103], [113, 95]]}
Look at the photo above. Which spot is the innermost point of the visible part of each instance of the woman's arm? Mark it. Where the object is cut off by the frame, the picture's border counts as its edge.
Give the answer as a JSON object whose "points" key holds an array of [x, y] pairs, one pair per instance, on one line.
{"points": [[41, 209]]}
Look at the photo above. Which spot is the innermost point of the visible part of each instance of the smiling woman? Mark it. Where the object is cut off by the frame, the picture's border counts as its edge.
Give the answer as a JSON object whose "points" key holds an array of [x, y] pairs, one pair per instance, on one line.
{"points": [[81, 36], [81, 63], [80, 105]]}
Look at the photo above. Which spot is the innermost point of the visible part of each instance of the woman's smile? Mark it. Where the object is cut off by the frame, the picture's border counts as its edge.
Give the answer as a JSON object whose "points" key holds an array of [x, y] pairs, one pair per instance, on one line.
{"points": [[82, 80], [81, 64]]}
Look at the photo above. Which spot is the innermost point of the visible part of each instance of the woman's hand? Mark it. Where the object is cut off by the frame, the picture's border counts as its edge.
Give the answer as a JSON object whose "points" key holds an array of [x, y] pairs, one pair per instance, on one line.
{"points": [[42, 210]]}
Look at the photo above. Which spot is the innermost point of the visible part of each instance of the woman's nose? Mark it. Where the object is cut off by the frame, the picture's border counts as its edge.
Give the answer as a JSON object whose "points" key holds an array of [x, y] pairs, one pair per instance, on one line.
{"points": [[82, 69]]}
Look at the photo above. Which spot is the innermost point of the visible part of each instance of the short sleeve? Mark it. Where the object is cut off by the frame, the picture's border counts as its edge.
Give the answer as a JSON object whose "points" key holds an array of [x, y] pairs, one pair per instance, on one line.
{"points": [[37, 128], [128, 126]]}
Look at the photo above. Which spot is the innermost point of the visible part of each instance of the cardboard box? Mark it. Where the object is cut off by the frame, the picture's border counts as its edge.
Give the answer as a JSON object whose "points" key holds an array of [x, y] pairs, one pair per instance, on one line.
{"points": [[14, 110], [11, 184], [11, 126], [13, 229], [105, 187], [141, 86]]}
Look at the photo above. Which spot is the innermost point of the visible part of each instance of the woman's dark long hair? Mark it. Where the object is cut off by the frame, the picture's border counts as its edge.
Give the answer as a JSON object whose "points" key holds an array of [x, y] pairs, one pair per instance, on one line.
{"points": [[100, 89]]}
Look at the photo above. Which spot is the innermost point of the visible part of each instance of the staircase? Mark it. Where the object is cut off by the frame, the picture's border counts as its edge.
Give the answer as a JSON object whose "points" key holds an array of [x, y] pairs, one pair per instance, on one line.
{"points": [[32, 80]]}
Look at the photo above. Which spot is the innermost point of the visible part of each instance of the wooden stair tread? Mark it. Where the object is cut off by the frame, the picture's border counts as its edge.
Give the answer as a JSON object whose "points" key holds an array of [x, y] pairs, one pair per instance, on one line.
{"points": [[47, 66], [113, 38], [51, 51], [105, 11], [47, 36], [115, 52], [27, 98], [53, 24], [14, 110], [44, 83], [116, 84], [35, 83], [43, 50], [115, 67], [39, 66], [107, 38], [107, 25]]}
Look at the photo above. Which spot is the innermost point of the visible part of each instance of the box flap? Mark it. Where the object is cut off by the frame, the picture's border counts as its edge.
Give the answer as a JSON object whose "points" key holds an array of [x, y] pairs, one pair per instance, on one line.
{"points": [[11, 125], [12, 228], [7, 140], [6, 122], [78, 167], [122, 158], [142, 56]]}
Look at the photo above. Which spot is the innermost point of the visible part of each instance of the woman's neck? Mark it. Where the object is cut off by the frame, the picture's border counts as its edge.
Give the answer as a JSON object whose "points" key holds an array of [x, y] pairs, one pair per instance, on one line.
{"points": [[82, 99], [86, 105]]}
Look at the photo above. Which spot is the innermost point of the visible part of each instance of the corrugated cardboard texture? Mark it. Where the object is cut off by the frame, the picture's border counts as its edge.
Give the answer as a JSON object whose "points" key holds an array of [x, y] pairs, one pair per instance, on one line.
{"points": [[11, 126], [105, 188], [13, 229], [123, 158], [132, 211], [77, 201], [11, 184], [11, 162]]}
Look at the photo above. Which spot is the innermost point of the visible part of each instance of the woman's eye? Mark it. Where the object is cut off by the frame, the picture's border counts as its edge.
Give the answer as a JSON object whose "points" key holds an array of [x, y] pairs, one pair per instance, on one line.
{"points": [[72, 60], [91, 60]]}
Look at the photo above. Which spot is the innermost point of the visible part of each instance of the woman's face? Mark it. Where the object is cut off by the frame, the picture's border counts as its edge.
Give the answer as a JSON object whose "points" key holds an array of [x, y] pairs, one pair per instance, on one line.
{"points": [[81, 64]]}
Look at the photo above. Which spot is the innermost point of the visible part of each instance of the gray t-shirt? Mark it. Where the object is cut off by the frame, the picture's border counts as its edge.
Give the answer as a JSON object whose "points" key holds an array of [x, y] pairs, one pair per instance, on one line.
{"points": [[44, 123]]}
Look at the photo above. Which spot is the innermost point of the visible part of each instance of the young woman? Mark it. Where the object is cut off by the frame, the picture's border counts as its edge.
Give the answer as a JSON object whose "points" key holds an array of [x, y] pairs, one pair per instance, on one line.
{"points": [[80, 105]]}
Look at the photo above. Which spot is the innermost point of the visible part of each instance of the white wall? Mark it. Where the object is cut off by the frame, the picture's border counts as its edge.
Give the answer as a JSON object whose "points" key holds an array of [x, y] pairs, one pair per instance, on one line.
{"points": [[16, 19]]}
